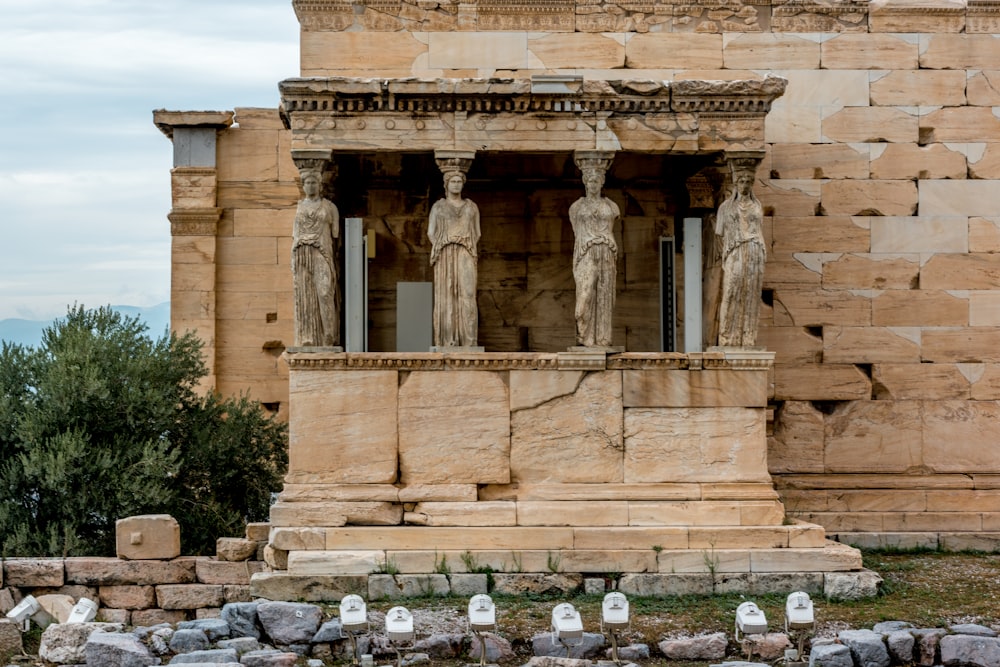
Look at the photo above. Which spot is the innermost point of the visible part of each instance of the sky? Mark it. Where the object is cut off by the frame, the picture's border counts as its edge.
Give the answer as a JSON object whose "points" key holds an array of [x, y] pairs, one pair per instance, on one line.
{"points": [[84, 173]]}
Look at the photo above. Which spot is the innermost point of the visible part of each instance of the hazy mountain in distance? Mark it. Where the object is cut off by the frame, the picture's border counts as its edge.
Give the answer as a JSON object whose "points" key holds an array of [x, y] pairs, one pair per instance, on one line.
{"points": [[29, 332]]}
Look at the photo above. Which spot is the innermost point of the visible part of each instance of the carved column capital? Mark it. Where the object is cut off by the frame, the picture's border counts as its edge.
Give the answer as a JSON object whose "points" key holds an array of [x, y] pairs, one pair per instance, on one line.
{"points": [[593, 159], [319, 160], [452, 160], [744, 160]]}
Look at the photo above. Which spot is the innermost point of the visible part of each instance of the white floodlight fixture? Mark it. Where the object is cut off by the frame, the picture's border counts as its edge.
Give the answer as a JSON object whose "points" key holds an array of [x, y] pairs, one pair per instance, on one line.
{"points": [[23, 611], [482, 614], [399, 625], [353, 618], [84, 611], [800, 619], [750, 620], [482, 618], [399, 629], [614, 617], [566, 624], [353, 614]]}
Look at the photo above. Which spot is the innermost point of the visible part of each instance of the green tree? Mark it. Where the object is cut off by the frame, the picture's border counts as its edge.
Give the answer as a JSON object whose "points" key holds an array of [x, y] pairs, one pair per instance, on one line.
{"points": [[101, 422]]}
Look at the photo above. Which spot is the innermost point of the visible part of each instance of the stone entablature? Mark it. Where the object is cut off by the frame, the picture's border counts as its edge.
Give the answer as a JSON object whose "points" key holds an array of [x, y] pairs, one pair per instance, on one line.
{"points": [[685, 116]]}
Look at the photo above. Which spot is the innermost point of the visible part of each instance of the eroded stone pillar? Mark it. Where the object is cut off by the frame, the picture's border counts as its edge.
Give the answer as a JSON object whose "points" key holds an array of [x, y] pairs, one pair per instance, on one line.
{"points": [[194, 220]]}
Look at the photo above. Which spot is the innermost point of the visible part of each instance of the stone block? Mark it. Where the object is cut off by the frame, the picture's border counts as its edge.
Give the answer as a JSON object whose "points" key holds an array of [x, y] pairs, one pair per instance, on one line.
{"points": [[821, 382], [960, 124], [188, 596], [310, 563], [705, 445], [878, 198], [464, 50], [235, 548], [790, 197], [634, 537], [34, 572], [864, 124], [797, 441], [918, 87], [791, 344], [550, 440], [453, 493], [834, 233], [977, 271], [106, 615], [437, 412], [917, 17], [961, 345], [869, 51], [150, 617], [519, 584], [467, 585], [982, 88], [496, 513], [572, 513], [912, 161], [985, 386], [360, 407], [298, 539], [984, 161], [833, 557], [247, 250], [704, 561], [128, 597], [874, 437], [817, 307], [698, 388], [937, 234], [247, 155], [958, 436], [576, 50], [662, 585], [276, 559], [383, 53], [916, 381], [862, 345], [958, 198], [227, 572], [309, 588], [770, 51], [263, 222], [893, 272], [819, 161], [336, 514], [664, 50], [851, 585], [429, 538]]}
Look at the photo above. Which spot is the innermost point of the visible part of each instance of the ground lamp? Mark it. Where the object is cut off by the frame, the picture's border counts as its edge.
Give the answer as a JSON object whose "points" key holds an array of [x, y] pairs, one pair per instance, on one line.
{"points": [[399, 629], [750, 620], [22, 613], [799, 619], [482, 618], [614, 618], [353, 618], [566, 624], [83, 611]]}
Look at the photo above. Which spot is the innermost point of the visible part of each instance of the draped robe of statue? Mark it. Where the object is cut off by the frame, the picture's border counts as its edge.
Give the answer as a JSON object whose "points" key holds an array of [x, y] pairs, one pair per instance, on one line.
{"points": [[454, 234], [314, 272], [595, 255], [740, 221]]}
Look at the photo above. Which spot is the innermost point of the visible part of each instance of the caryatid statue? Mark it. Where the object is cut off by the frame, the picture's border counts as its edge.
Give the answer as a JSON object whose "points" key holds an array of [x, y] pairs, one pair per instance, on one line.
{"points": [[453, 230], [595, 252], [315, 236], [740, 224]]}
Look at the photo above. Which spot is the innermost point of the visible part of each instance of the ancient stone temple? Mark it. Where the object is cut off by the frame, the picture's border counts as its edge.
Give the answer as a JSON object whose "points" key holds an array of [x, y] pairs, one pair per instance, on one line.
{"points": [[638, 287]]}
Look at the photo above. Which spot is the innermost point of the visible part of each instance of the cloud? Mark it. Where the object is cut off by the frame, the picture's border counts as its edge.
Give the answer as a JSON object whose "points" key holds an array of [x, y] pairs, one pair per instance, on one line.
{"points": [[84, 174]]}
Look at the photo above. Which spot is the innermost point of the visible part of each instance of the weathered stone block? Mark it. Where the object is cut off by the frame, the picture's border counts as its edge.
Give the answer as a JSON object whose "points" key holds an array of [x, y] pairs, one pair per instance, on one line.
{"points": [[547, 429], [33, 572], [918, 87], [869, 51], [860, 345], [311, 588], [873, 436], [914, 308], [704, 444], [495, 513], [819, 382], [674, 50], [227, 572], [128, 597], [235, 549], [769, 51], [309, 563], [188, 596], [820, 161], [695, 389], [360, 407], [917, 381], [661, 585], [436, 411], [912, 161], [958, 436], [878, 198]]}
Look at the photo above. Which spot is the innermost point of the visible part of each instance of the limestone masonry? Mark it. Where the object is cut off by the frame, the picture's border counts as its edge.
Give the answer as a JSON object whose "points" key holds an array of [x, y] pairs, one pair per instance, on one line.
{"points": [[868, 413]]}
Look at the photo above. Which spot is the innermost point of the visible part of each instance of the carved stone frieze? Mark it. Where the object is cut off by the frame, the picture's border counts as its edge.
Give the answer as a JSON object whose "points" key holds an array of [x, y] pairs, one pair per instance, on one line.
{"points": [[820, 16], [547, 15], [983, 16], [738, 97], [194, 221]]}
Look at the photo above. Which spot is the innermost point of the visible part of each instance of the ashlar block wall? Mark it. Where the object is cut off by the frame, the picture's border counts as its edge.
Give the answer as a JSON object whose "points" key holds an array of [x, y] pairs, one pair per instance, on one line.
{"points": [[881, 187]]}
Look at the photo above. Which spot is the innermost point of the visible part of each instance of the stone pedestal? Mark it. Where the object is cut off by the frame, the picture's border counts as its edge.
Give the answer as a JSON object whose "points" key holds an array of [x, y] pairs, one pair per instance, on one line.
{"points": [[642, 463]]}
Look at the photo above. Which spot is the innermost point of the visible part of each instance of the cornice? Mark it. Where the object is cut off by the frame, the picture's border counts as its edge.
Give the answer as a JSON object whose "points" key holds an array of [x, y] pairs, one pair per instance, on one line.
{"points": [[194, 221]]}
